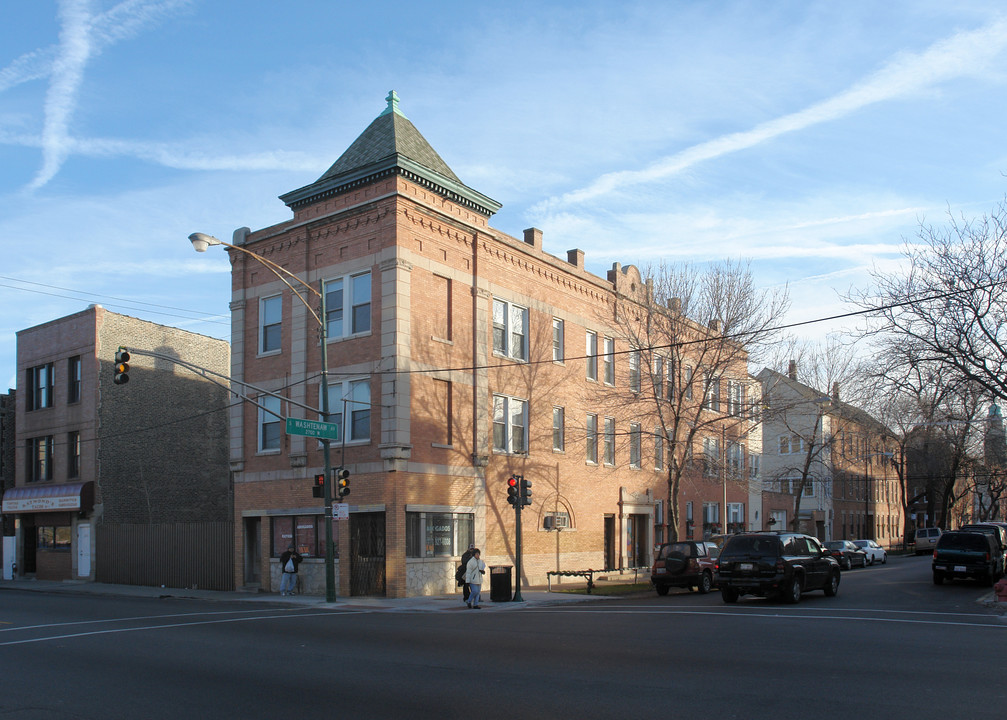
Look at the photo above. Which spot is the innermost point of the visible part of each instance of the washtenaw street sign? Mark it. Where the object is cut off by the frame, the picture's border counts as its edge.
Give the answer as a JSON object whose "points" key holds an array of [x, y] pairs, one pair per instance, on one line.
{"points": [[312, 428]]}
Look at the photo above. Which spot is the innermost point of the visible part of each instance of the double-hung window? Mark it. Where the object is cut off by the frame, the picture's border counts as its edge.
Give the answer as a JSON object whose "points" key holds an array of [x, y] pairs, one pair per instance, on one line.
{"points": [[510, 330], [634, 371], [635, 445], [353, 397], [39, 385], [510, 424], [608, 441], [270, 424], [711, 456], [687, 380], [348, 305], [73, 380], [39, 457], [657, 379], [658, 449], [558, 353], [270, 322], [558, 431], [592, 439], [73, 454], [608, 361], [591, 352]]}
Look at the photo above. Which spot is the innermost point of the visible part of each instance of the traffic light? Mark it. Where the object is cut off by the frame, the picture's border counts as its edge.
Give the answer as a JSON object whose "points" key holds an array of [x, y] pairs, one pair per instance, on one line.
{"points": [[318, 489], [525, 491], [121, 368], [342, 482], [512, 490]]}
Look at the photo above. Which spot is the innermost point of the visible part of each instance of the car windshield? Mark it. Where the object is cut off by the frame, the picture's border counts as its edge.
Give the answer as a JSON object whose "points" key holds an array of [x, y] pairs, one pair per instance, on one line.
{"points": [[861, 543]]}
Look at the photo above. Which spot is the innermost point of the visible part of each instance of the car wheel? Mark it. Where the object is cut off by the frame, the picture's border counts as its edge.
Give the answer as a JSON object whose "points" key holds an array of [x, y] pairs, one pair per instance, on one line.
{"points": [[705, 583], [792, 593], [863, 561], [938, 578], [884, 559], [847, 564], [730, 595], [870, 561], [832, 586], [662, 590]]}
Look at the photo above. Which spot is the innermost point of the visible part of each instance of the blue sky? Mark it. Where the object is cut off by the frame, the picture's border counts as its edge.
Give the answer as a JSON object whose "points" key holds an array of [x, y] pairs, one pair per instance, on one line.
{"points": [[808, 137]]}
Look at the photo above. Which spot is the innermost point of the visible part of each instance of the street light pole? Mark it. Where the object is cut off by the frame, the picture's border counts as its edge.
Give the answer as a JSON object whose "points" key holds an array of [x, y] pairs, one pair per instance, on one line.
{"points": [[200, 242]]}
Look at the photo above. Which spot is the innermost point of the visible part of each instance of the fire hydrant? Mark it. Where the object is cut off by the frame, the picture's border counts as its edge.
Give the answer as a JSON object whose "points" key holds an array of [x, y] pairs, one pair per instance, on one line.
{"points": [[1001, 590]]}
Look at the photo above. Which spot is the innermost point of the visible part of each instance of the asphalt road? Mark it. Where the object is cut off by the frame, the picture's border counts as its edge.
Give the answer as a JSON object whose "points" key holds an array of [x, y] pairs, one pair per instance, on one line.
{"points": [[890, 645]]}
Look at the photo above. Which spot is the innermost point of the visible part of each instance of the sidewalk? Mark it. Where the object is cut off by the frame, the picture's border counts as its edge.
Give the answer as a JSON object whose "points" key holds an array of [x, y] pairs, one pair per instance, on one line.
{"points": [[431, 603]]}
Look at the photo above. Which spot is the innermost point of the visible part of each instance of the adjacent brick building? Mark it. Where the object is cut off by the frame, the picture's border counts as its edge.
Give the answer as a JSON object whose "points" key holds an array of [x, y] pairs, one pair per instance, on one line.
{"points": [[459, 356], [94, 458]]}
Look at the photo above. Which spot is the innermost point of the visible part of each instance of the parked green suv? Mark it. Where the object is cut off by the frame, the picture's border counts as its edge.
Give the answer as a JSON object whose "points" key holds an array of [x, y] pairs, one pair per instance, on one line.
{"points": [[775, 564], [965, 554]]}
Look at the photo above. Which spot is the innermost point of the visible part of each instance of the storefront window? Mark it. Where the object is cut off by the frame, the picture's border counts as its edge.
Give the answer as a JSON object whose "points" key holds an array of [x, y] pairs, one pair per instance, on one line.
{"points": [[304, 532], [53, 538], [438, 534]]}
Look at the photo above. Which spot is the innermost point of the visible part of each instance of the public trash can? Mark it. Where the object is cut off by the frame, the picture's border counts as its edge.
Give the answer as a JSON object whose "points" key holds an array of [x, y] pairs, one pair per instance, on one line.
{"points": [[500, 583]]}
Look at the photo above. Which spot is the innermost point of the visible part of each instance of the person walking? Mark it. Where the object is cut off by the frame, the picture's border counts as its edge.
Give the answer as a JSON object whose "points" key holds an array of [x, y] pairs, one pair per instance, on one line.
{"points": [[288, 571], [461, 572], [474, 572]]}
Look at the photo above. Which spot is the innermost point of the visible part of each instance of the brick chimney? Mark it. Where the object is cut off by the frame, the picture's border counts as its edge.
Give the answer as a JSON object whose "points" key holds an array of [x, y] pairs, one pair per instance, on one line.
{"points": [[792, 370], [835, 391]]}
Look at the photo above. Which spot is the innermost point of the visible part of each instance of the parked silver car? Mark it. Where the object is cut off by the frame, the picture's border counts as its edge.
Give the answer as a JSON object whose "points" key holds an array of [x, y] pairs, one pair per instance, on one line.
{"points": [[875, 553]]}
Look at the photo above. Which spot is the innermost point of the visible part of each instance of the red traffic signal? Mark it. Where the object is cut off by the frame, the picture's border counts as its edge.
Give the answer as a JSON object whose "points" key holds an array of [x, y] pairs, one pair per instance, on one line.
{"points": [[512, 490], [318, 489]]}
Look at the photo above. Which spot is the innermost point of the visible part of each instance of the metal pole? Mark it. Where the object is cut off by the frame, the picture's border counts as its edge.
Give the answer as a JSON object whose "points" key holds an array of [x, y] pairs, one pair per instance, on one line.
{"points": [[723, 463], [517, 543], [330, 569]]}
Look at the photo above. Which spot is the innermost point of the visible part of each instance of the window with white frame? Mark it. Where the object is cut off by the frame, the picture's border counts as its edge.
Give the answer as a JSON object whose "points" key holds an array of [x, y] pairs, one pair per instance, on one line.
{"points": [[354, 397], [591, 353], [634, 371], [658, 449], [669, 390], [270, 424], [735, 517], [635, 445], [734, 392], [711, 518], [270, 322], [735, 458], [510, 330], [711, 389], [558, 429], [791, 444], [608, 361], [711, 456], [608, 441], [348, 305], [657, 378], [558, 352], [687, 379], [754, 460], [510, 424], [592, 439]]}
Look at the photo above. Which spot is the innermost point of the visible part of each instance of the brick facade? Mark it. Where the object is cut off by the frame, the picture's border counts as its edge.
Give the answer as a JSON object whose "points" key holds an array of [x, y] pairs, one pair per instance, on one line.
{"points": [[436, 269]]}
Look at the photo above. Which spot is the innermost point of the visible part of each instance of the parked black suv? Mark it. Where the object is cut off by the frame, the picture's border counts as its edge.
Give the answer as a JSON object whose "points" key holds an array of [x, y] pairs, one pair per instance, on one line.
{"points": [[778, 564], [966, 554]]}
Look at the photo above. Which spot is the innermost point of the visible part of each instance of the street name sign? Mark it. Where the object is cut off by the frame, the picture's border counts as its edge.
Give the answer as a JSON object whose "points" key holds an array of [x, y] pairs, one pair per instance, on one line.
{"points": [[312, 428]]}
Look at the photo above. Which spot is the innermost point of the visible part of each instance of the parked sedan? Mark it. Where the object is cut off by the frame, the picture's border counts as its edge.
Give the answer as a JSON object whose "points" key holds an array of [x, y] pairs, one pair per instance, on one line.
{"points": [[846, 554], [875, 553]]}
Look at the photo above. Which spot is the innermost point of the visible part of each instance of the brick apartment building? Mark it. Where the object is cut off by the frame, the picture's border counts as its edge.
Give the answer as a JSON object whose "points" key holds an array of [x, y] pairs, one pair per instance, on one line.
{"points": [[107, 475], [850, 489], [459, 356]]}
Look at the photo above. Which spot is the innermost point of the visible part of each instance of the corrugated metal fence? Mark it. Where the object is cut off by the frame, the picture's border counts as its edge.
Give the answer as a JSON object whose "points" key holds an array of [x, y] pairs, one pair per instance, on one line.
{"points": [[176, 555]]}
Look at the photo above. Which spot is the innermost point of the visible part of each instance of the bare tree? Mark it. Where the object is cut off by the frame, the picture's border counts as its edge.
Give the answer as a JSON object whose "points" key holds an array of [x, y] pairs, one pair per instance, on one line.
{"points": [[947, 308], [691, 331]]}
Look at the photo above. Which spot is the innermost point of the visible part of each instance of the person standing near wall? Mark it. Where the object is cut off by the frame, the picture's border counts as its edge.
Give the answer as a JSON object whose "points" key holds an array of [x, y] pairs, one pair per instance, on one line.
{"points": [[288, 571]]}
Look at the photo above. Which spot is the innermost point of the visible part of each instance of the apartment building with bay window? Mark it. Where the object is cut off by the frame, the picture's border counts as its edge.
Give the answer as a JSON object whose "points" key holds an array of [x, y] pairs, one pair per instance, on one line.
{"points": [[458, 357]]}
